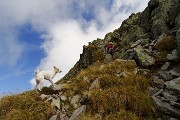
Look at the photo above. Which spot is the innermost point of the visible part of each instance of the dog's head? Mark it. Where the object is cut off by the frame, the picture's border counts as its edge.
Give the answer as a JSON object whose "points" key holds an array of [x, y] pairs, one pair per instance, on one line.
{"points": [[57, 70]]}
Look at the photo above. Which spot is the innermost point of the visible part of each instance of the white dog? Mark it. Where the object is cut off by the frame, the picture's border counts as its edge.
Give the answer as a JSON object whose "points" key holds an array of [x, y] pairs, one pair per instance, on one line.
{"points": [[45, 75]]}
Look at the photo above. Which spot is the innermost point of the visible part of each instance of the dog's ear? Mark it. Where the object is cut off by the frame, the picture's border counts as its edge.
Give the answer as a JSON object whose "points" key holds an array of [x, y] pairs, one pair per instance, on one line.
{"points": [[54, 67]]}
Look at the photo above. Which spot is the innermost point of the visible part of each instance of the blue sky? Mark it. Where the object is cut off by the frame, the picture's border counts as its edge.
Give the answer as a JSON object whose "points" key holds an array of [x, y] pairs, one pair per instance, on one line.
{"points": [[38, 34]]}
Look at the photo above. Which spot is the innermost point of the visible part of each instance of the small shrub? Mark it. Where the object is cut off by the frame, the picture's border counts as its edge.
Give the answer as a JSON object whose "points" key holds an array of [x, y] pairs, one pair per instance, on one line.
{"points": [[97, 54], [167, 43]]}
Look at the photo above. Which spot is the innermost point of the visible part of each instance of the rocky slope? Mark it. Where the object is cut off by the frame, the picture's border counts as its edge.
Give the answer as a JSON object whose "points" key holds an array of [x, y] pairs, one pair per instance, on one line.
{"points": [[152, 39], [140, 81]]}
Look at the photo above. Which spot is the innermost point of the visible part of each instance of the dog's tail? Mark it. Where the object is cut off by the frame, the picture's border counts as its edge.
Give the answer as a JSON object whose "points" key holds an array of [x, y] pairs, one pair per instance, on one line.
{"points": [[36, 72]]}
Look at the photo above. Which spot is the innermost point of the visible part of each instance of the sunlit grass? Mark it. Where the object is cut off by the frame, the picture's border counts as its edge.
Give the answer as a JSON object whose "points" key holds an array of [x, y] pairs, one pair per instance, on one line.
{"points": [[122, 97], [25, 106]]}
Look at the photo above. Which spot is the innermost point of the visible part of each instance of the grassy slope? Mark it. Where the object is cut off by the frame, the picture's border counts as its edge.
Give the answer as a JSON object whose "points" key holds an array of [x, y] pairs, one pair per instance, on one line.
{"points": [[25, 106], [120, 98]]}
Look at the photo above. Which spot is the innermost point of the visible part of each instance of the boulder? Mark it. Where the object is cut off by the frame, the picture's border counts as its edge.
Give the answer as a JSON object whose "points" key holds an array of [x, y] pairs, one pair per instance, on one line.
{"points": [[78, 113], [159, 83], [174, 72], [56, 102], [95, 85], [175, 55], [165, 66], [75, 101], [143, 58], [174, 85], [165, 75], [166, 108]]}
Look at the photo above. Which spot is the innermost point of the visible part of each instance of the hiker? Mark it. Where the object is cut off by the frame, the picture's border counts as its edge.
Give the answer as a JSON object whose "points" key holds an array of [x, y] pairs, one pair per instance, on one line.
{"points": [[109, 48]]}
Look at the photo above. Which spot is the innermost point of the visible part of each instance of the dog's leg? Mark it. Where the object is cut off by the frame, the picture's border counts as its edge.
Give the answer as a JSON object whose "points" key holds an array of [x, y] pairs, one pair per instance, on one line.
{"points": [[37, 85], [51, 82]]}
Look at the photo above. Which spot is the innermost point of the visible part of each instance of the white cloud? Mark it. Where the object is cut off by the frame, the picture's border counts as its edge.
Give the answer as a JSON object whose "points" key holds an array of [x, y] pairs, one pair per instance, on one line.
{"points": [[64, 25]]}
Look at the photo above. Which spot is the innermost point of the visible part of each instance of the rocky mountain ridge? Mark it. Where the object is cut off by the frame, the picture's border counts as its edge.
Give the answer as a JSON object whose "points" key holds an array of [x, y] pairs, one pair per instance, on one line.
{"points": [[152, 39]]}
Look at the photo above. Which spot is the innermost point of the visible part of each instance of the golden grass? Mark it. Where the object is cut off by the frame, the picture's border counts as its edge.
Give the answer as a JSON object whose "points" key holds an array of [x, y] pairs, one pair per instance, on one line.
{"points": [[122, 115], [119, 97], [25, 106]]}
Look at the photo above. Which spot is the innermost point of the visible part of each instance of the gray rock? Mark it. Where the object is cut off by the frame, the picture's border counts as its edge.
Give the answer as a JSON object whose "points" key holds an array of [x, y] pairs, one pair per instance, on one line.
{"points": [[108, 37], [173, 119], [174, 85], [143, 58], [175, 104], [174, 56], [165, 66], [43, 96], [152, 90], [138, 42], [169, 97], [78, 112], [143, 71], [166, 108], [174, 72], [54, 117], [63, 98], [75, 100], [56, 102], [165, 75], [95, 85], [158, 92], [122, 74], [159, 83]]}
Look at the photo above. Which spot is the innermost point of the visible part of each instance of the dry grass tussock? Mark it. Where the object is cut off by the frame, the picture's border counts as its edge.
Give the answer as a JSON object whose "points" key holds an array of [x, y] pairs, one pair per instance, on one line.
{"points": [[120, 96], [25, 106]]}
